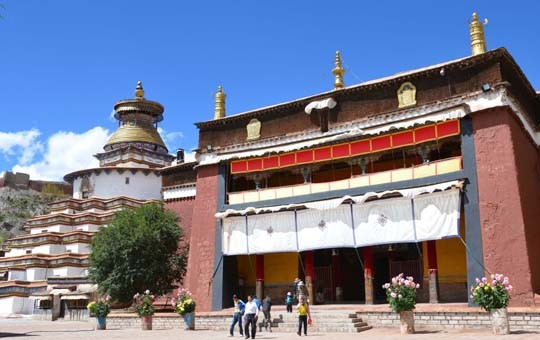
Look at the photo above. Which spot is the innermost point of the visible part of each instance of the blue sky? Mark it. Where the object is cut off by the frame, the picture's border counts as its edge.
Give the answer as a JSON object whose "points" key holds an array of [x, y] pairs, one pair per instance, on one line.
{"points": [[64, 63]]}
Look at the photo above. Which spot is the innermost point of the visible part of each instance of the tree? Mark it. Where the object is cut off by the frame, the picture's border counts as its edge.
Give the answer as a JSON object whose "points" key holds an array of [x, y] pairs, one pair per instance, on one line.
{"points": [[139, 250]]}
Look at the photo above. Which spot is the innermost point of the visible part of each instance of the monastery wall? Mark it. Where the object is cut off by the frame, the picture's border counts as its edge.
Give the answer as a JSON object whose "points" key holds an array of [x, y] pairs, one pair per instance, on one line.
{"points": [[201, 252], [184, 209], [353, 107], [504, 214]]}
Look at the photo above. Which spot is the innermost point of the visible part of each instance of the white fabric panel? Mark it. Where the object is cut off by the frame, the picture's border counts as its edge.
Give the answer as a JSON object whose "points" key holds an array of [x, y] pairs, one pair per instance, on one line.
{"points": [[335, 202], [271, 233], [384, 221], [437, 215], [234, 235], [319, 229]]}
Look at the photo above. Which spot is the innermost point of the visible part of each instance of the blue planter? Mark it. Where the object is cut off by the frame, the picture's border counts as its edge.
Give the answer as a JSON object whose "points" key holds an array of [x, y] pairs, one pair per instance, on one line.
{"points": [[189, 321], [101, 322]]}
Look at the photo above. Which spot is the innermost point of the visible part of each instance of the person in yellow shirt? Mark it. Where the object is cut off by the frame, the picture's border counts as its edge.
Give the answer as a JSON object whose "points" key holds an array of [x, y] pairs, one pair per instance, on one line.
{"points": [[303, 315]]}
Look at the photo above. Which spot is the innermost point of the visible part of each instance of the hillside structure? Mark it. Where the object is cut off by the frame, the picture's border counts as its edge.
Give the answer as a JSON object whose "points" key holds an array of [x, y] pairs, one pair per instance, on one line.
{"points": [[432, 172], [47, 269]]}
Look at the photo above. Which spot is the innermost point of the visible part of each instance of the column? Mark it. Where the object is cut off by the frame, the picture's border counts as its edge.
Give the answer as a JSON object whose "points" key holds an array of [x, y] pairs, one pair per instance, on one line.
{"points": [[432, 267], [367, 254], [259, 271], [336, 271], [310, 274]]}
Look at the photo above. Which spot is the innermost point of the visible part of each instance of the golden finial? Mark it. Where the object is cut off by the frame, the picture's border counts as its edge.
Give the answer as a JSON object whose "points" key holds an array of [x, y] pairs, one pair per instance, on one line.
{"points": [[220, 104], [476, 30], [139, 92], [338, 72]]}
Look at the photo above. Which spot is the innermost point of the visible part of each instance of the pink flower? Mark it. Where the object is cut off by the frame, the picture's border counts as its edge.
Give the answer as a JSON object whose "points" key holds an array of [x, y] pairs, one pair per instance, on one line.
{"points": [[147, 292], [477, 280], [484, 280], [494, 282], [417, 285], [481, 284], [509, 288], [136, 296], [393, 295]]}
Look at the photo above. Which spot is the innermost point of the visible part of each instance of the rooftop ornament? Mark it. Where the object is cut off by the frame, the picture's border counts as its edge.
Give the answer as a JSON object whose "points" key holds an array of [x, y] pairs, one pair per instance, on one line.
{"points": [[338, 72], [139, 92], [478, 40], [219, 111]]}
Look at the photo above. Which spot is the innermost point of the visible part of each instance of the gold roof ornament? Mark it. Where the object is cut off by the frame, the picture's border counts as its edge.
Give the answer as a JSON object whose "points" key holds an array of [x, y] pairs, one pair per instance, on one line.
{"points": [[476, 30], [139, 92], [219, 111], [338, 72]]}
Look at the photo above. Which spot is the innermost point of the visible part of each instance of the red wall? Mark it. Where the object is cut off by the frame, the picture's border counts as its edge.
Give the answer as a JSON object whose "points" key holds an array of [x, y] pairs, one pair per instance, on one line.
{"points": [[201, 251], [508, 196], [184, 209]]}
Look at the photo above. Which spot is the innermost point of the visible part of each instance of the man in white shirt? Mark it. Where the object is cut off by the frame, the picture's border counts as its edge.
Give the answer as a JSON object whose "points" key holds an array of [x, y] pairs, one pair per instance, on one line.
{"points": [[251, 314]]}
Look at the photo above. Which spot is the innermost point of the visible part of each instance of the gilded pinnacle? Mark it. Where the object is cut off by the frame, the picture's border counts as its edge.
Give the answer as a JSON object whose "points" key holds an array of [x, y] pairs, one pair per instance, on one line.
{"points": [[476, 31], [139, 92], [338, 72], [219, 111]]}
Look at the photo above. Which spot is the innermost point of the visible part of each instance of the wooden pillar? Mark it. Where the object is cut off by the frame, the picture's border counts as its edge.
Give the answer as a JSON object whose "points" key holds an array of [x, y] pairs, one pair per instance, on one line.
{"points": [[367, 254], [259, 271], [433, 276], [336, 271], [310, 274]]}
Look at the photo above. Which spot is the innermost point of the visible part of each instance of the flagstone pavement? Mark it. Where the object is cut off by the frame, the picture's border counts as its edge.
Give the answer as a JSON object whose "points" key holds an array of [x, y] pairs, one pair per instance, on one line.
{"points": [[59, 330]]}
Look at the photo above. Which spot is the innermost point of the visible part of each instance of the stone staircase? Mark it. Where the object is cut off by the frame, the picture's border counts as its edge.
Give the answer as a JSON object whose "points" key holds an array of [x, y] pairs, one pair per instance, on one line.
{"points": [[327, 321]]}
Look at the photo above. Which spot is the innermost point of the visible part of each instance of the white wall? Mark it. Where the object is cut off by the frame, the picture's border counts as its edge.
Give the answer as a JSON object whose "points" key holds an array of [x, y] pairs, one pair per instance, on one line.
{"points": [[78, 248], [49, 249], [113, 184], [67, 271], [36, 274], [16, 305], [17, 275]]}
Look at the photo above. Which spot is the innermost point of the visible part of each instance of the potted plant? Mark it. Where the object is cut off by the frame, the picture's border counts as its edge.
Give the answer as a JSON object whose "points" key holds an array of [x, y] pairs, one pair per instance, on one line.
{"points": [[144, 306], [100, 309], [401, 295], [494, 296], [185, 306]]}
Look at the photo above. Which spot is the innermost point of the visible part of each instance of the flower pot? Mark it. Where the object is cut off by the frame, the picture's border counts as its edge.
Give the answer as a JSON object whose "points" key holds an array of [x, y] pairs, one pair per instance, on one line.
{"points": [[499, 321], [406, 319], [146, 322], [189, 321], [101, 322]]}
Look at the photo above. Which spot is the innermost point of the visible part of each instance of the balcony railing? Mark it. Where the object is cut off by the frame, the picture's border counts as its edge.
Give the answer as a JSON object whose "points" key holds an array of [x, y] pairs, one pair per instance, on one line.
{"points": [[420, 171]]}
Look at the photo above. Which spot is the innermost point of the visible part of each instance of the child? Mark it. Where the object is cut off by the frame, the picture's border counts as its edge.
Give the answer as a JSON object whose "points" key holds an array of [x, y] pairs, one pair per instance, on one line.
{"points": [[304, 316], [289, 302]]}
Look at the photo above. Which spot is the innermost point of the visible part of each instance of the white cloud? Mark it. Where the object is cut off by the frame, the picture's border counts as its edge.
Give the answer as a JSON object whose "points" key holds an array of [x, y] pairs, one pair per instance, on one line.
{"points": [[66, 152], [23, 144], [170, 138]]}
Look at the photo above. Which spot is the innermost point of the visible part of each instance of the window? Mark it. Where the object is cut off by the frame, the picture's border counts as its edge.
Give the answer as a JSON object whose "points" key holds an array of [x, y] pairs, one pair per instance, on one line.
{"points": [[127, 180], [29, 251]]}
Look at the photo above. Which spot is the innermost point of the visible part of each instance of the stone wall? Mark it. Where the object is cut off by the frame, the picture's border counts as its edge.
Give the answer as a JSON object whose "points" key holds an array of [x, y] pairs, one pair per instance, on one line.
{"points": [[170, 320], [446, 320]]}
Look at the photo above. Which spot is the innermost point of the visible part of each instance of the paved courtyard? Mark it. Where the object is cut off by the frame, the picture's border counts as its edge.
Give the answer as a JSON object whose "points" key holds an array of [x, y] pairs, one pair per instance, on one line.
{"points": [[44, 330]]}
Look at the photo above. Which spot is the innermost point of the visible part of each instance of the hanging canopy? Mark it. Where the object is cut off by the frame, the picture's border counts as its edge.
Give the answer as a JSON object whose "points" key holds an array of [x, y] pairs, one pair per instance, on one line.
{"points": [[421, 214]]}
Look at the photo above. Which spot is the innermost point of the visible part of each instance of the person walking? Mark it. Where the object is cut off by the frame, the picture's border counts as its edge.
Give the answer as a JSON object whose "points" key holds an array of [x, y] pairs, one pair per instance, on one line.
{"points": [[251, 314], [239, 306], [303, 315], [289, 302], [266, 307]]}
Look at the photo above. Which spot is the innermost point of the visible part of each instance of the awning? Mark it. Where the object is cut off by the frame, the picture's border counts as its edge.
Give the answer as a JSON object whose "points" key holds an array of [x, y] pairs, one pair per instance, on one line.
{"points": [[419, 215], [75, 297], [58, 291], [40, 297], [335, 202]]}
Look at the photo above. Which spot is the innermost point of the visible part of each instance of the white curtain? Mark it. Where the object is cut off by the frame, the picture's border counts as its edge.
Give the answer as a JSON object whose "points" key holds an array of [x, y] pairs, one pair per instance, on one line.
{"points": [[234, 239], [271, 233], [437, 215], [383, 221], [319, 229]]}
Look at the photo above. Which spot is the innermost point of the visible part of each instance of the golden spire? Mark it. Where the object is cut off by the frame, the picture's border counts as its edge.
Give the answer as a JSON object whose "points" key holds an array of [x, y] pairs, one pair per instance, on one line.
{"points": [[219, 112], [338, 72], [139, 92], [476, 30]]}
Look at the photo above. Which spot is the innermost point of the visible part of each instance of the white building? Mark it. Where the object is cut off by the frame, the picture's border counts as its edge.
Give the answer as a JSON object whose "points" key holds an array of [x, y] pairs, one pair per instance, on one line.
{"points": [[47, 269]]}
